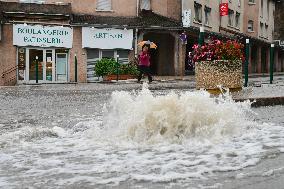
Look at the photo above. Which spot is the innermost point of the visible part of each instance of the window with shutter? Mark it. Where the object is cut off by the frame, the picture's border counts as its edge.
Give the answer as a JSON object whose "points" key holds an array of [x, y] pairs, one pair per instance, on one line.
{"points": [[104, 5], [145, 4]]}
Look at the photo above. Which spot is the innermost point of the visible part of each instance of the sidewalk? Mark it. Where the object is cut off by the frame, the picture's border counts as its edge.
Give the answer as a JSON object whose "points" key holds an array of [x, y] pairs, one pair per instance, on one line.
{"points": [[258, 90]]}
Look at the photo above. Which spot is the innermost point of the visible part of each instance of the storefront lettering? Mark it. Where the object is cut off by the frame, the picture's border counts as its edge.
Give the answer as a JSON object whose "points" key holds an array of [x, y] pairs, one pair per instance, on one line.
{"points": [[108, 36], [42, 40], [42, 31]]}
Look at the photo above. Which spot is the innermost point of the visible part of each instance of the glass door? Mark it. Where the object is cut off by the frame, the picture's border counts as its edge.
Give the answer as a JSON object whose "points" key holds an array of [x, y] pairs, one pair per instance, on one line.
{"points": [[49, 65], [35, 55], [61, 67]]}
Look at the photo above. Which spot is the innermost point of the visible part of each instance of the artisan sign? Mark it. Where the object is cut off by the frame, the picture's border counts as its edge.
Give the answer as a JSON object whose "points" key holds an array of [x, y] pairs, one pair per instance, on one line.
{"points": [[107, 38], [42, 36]]}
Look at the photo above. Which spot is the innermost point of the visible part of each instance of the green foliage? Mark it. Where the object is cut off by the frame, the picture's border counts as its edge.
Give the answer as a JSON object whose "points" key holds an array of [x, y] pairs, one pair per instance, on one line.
{"points": [[107, 66]]}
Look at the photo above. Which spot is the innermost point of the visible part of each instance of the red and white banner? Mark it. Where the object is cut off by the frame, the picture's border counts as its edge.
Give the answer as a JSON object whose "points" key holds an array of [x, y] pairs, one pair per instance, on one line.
{"points": [[224, 9]]}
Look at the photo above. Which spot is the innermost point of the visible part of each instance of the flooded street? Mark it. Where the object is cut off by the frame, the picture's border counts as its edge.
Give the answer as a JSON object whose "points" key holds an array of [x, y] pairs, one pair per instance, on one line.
{"points": [[66, 136]]}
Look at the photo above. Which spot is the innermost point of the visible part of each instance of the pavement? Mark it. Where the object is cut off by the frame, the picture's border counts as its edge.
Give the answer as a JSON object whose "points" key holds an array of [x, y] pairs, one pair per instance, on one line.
{"points": [[259, 89]]}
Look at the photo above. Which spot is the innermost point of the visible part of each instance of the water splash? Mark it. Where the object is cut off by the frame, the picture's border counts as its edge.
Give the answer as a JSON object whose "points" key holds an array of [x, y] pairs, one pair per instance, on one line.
{"points": [[144, 117]]}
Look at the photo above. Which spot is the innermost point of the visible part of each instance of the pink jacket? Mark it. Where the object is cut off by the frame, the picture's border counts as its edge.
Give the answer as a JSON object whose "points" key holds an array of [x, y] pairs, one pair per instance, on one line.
{"points": [[144, 59]]}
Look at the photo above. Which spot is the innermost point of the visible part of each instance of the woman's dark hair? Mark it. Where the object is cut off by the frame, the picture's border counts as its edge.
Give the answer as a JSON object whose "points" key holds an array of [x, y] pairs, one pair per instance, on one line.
{"points": [[146, 45]]}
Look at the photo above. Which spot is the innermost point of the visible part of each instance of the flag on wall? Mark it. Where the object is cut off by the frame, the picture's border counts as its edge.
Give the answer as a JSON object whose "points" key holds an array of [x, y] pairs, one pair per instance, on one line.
{"points": [[224, 9]]}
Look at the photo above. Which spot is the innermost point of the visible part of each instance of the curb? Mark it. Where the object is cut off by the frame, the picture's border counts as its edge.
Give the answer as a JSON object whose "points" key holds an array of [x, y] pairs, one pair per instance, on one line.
{"points": [[264, 101]]}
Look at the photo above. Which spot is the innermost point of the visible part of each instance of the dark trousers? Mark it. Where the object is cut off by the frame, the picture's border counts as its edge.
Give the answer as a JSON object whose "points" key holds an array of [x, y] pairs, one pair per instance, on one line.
{"points": [[145, 70]]}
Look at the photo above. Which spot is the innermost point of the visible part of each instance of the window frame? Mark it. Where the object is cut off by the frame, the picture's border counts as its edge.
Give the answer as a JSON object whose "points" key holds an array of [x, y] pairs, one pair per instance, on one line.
{"points": [[231, 14], [197, 8], [252, 26], [207, 15], [237, 21], [104, 10]]}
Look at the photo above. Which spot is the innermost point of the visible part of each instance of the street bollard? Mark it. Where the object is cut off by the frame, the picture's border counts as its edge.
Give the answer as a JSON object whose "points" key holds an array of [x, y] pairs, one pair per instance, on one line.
{"points": [[36, 69], [246, 63], [201, 36], [76, 69], [117, 64], [271, 62]]}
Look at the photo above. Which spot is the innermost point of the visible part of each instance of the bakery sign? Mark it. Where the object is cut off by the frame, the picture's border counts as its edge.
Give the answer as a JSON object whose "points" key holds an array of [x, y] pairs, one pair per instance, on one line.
{"points": [[42, 36]]}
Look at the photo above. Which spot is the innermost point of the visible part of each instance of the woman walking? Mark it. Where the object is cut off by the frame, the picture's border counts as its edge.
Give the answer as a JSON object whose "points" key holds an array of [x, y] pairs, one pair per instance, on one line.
{"points": [[144, 63]]}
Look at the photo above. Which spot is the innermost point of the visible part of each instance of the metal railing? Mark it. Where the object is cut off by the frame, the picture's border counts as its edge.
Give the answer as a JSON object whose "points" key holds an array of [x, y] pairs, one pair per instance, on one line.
{"points": [[10, 76]]}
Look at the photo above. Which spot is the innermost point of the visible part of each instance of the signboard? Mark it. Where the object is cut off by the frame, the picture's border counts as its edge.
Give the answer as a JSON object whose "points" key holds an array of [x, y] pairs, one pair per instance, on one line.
{"points": [[42, 36], [186, 18], [107, 38], [224, 9]]}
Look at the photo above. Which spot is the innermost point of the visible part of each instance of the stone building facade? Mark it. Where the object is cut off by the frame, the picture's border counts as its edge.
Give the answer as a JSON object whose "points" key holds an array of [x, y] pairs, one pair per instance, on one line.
{"points": [[53, 32]]}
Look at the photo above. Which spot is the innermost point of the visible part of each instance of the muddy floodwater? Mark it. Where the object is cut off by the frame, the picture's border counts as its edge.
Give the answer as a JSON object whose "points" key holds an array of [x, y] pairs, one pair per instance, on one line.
{"points": [[117, 137]]}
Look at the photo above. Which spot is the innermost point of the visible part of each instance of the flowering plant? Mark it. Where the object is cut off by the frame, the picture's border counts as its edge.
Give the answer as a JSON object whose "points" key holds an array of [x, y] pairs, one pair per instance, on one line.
{"points": [[218, 50]]}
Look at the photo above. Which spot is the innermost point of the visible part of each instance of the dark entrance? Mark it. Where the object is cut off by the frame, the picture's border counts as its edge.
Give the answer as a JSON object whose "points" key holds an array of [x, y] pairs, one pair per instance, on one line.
{"points": [[162, 59], [254, 58], [189, 65], [263, 60]]}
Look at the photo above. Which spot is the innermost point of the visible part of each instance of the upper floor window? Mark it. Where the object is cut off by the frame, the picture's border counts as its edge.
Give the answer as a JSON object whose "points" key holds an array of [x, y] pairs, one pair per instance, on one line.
{"points": [[250, 26], [261, 7], [239, 3], [207, 11], [251, 1], [266, 31], [261, 29], [198, 12], [231, 17], [145, 4], [32, 1], [237, 20], [268, 7], [104, 5]]}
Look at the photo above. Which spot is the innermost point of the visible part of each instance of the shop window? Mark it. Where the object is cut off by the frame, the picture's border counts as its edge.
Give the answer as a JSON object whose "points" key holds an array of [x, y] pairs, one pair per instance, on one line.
{"points": [[123, 56], [103, 5], [107, 53], [198, 12], [250, 26], [230, 17], [32, 1], [145, 5], [237, 20]]}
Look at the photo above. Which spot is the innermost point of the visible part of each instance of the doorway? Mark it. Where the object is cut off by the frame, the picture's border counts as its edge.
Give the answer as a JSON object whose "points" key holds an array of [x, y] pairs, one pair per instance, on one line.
{"points": [[52, 65], [162, 58]]}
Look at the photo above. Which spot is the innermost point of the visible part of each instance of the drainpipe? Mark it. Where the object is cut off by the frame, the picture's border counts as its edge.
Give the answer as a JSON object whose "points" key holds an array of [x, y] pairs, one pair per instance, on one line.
{"points": [[136, 30], [137, 8], [136, 42]]}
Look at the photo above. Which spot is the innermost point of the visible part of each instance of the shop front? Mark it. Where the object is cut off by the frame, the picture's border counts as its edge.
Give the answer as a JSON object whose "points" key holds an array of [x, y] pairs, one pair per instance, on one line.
{"points": [[43, 52], [105, 43]]}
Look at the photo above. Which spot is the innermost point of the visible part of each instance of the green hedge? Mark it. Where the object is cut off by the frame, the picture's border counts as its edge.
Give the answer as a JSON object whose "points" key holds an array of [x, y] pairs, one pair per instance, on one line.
{"points": [[107, 66]]}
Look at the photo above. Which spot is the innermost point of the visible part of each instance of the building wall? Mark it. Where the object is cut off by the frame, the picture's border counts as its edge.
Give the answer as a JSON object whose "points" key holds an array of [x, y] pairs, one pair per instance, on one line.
{"points": [[251, 12], [236, 6], [267, 18], [279, 21], [168, 8], [81, 57], [7, 52]]}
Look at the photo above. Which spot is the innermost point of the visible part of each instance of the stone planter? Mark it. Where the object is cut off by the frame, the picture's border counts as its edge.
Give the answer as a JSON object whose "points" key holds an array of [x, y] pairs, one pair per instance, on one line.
{"points": [[211, 74], [120, 77]]}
